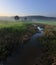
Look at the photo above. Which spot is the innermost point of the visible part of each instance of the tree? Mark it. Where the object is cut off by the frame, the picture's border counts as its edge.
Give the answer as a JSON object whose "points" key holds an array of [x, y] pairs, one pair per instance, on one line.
{"points": [[16, 17], [25, 18]]}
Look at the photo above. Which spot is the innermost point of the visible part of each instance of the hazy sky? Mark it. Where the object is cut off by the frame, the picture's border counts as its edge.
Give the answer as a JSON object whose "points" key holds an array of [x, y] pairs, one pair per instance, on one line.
{"points": [[27, 7]]}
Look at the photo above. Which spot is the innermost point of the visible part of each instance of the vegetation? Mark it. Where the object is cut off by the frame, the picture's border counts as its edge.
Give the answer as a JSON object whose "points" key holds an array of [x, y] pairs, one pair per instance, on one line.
{"points": [[12, 36], [48, 42], [52, 22]]}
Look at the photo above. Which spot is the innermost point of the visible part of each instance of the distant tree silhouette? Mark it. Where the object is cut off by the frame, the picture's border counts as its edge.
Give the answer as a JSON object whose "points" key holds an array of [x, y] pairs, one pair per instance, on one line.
{"points": [[16, 17], [25, 18]]}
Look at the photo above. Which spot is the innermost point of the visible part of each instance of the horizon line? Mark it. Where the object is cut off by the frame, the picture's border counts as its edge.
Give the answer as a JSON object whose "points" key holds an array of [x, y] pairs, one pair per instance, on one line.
{"points": [[25, 15]]}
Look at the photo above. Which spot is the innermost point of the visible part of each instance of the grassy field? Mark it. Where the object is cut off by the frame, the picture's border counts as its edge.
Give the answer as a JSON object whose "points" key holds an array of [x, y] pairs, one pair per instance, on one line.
{"points": [[19, 23], [22, 24], [47, 22], [10, 24]]}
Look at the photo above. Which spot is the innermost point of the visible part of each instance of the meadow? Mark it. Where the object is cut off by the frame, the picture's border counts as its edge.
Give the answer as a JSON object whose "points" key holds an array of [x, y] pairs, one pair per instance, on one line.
{"points": [[21, 23], [16, 33], [47, 22]]}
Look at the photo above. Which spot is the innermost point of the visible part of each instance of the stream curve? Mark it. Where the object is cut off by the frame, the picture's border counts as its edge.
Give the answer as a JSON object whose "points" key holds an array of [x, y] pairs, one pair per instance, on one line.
{"points": [[29, 52]]}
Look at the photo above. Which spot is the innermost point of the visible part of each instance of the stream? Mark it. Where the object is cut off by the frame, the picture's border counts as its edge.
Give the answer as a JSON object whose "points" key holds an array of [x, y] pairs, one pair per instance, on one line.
{"points": [[29, 52]]}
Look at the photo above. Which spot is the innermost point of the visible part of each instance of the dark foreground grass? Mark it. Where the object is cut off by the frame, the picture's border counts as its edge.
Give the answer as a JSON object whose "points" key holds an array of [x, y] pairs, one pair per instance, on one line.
{"points": [[48, 42], [9, 40], [12, 36]]}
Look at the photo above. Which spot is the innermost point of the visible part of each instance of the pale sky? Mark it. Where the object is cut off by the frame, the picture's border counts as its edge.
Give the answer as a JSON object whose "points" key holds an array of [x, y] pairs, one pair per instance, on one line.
{"points": [[28, 7]]}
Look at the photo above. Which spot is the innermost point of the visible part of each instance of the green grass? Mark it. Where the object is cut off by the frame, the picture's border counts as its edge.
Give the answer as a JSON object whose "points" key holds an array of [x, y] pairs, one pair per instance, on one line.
{"points": [[10, 24], [47, 22], [19, 23]]}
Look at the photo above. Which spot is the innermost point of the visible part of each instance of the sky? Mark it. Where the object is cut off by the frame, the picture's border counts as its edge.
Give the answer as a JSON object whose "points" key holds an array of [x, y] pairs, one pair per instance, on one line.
{"points": [[28, 7]]}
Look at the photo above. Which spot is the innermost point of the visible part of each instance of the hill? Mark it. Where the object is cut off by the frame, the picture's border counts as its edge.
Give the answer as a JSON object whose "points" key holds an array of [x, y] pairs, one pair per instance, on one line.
{"points": [[41, 17], [29, 18]]}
